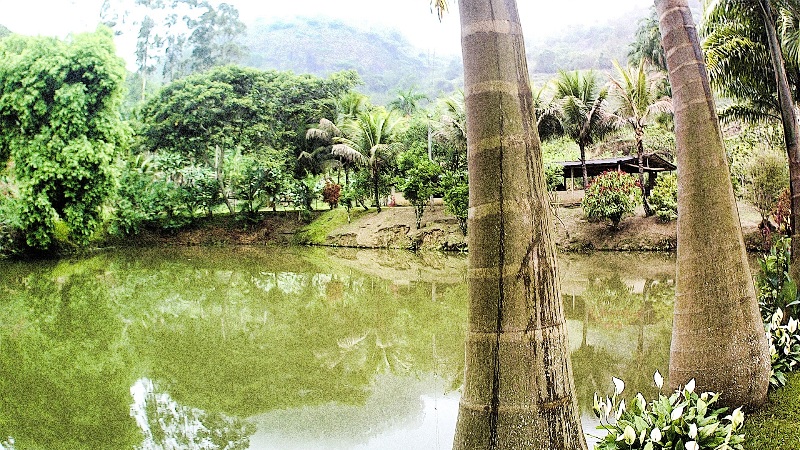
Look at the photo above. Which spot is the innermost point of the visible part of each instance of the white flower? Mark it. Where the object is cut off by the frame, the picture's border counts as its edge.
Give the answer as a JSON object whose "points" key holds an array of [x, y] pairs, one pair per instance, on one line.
{"points": [[620, 410], [642, 436], [607, 407], [692, 431], [629, 435], [676, 413], [777, 318], [792, 325], [692, 445], [619, 385], [658, 379], [641, 401], [737, 417], [655, 435], [690, 386]]}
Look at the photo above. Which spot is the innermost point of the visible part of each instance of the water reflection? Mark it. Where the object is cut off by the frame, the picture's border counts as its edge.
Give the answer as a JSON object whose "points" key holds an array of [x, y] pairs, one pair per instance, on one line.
{"points": [[284, 348]]}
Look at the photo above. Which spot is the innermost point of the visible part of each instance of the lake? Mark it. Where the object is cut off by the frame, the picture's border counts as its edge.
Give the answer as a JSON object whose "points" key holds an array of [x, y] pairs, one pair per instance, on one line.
{"points": [[285, 348]]}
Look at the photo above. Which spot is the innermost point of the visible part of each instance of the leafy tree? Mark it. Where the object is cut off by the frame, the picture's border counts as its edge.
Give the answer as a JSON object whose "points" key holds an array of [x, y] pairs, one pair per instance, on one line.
{"points": [[612, 196], [711, 252], [59, 122], [581, 109], [450, 132], [768, 176], [179, 37], [369, 142], [664, 197], [637, 102], [456, 197], [214, 37], [331, 194], [419, 178], [407, 101], [646, 45], [752, 58]]}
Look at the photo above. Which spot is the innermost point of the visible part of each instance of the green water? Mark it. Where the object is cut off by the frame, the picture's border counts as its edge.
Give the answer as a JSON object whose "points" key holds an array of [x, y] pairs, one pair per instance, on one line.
{"points": [[283, 348]]}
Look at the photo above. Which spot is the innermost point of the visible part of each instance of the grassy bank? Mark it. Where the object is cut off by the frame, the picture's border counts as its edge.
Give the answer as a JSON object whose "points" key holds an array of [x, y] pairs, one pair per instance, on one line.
{"points": [[776, 426]]}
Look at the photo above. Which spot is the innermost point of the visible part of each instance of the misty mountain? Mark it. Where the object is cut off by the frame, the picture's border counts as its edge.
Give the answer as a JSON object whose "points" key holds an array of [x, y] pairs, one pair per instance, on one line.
{"points": [[385, 60]]}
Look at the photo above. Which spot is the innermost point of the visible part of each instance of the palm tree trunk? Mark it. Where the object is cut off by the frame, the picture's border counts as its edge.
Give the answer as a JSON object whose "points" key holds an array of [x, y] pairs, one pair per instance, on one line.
{"points": [[582, 147], [718, 337], [375, 186], [518, 387], [791, 133], [640, 154]]}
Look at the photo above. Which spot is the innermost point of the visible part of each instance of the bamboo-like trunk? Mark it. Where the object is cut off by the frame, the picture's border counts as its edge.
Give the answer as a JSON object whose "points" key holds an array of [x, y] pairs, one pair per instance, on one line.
{"points": [[640, 158], [518, 390], [718, 337]]}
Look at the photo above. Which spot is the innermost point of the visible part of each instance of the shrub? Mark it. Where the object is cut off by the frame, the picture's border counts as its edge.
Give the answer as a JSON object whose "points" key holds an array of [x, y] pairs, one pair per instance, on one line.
{"points": [[331, 194], [767, 176], [456, 200], [776, 290], [664, 197], [612, 195], [684, 420], [784, 346]]}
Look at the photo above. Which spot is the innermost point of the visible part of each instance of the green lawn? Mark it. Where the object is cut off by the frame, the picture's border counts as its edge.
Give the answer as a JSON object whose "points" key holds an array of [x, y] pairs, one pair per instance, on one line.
{"points": [[776, 426]]}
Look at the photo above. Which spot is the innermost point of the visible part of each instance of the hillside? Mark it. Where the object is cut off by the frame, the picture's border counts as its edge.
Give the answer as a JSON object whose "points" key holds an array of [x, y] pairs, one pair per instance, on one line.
{"points": [[388, 62], [385, 60]]}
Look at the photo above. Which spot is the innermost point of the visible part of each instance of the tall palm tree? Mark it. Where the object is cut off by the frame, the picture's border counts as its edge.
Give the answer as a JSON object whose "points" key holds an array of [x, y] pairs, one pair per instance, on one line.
{"points": [[581, 107], [407, 101], [746, 62], [718, 337], [637, 103], [368, 141], [450, 131], [518, 387], [329, 132]]}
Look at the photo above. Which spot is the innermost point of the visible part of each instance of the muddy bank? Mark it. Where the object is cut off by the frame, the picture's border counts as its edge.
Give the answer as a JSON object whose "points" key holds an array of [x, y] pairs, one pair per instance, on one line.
{"points": [[395, 227]]}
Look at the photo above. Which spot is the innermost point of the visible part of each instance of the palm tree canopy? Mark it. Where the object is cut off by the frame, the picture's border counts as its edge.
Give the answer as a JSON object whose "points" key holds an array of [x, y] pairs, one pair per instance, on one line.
{"points": [[637, 95], [738, 58], [580, 100]]}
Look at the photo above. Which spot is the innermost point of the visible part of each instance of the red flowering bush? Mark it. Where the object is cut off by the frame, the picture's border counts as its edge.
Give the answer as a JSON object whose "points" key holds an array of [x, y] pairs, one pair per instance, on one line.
{"points": [[612, 195]]}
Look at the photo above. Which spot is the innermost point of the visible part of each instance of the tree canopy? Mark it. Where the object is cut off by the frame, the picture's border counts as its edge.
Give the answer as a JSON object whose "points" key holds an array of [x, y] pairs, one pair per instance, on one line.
{"points": [[59, 122]]}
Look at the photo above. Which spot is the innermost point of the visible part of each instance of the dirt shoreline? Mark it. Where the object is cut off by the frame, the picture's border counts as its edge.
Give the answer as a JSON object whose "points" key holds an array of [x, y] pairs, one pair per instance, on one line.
{"points": [[395, 227]]}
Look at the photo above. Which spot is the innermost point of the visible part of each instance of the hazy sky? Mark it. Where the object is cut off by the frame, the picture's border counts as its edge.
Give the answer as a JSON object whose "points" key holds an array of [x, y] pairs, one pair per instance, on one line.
{"points": [[411, 17]]}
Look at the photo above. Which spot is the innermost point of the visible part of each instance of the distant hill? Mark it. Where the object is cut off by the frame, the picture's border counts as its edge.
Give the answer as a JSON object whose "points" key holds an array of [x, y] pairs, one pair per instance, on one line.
{"points": [[385, 60]]}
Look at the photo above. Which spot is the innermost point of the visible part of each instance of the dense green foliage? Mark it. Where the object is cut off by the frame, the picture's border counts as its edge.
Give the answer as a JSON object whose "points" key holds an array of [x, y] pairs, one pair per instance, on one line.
{"points": [[768, 177], [685, 420], [612, 196], [59, 122], [664, 197], [419, 177]]}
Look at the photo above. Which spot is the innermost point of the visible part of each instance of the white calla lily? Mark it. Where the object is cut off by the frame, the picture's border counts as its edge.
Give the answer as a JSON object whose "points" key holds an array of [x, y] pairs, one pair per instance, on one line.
{"points": [[658, 379], [619, 385], [655, 435]]}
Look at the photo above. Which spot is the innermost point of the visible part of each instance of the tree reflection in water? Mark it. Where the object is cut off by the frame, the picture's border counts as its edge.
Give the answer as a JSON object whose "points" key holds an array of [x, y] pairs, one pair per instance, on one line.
{"points": [[168, 425], [333, 348]]}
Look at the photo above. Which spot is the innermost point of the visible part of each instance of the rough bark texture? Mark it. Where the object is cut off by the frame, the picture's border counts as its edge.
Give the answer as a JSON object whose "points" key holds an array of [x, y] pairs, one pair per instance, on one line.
{"points": [[717, 338], [791, 133], [518, 392]]}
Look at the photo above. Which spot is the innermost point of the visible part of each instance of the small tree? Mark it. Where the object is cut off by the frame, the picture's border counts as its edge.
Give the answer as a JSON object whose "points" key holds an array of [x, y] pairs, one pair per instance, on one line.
{"points": [[612, 196], [456, 197], [664, 197], [768, 176], [420, 176], [331, 194]]}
